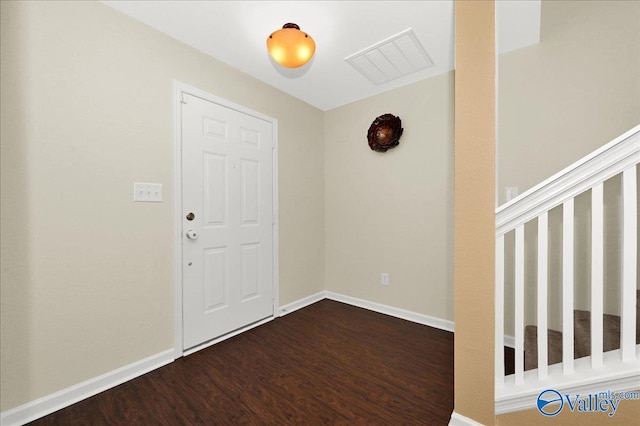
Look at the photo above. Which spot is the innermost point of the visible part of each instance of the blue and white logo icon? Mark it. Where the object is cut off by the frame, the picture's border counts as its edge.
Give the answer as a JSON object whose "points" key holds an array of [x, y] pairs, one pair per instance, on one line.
{"points": [[550, 402]]}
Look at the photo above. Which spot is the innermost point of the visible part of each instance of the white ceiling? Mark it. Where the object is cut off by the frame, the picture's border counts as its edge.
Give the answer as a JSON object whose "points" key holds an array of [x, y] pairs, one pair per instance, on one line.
{"points": [[235, 32]]}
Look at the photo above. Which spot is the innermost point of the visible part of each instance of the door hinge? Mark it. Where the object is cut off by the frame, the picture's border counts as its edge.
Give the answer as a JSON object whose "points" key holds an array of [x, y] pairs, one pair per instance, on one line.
{"points": [[183, 98]]}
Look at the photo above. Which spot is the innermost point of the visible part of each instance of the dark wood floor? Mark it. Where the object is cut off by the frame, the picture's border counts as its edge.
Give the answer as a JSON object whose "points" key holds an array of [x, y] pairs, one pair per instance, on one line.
{"points": [[328, 363]]}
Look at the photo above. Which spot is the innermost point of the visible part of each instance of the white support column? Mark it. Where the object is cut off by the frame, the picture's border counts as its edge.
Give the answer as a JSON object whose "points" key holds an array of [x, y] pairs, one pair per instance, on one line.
{"points": [[499, 355], [597, 274], [543, 227], [567, 287], [519, 305], [629, 256]]}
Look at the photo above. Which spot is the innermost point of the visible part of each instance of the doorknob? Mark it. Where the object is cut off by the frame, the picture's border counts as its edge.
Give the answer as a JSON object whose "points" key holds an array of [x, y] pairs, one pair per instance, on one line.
{"points": [[192, 235]]}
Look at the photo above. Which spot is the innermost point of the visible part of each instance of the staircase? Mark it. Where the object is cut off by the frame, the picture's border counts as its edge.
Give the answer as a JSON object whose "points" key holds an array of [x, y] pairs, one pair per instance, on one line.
{"points": [[568, 280], [581, 337]]}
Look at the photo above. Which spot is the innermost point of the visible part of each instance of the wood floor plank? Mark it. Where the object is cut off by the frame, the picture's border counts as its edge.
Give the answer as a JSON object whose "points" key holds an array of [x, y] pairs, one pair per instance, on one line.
{"points": [[329, 363]]}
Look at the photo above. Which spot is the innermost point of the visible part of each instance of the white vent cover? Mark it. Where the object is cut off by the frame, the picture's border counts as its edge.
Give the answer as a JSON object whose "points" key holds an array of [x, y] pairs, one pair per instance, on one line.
{"points": [[392, 58]]}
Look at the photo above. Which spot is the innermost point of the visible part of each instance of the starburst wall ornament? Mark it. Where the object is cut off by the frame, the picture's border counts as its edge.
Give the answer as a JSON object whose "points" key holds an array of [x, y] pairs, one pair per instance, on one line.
{"points": [[384, 133]]}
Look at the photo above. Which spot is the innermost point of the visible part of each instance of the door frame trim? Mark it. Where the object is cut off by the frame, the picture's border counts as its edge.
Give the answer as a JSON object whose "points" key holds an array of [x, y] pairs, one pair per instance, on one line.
{"points": [[179, 89]]}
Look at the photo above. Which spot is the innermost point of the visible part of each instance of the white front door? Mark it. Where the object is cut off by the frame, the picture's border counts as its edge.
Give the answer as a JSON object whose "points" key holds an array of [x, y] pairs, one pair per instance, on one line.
{"points": [[227, 220]]}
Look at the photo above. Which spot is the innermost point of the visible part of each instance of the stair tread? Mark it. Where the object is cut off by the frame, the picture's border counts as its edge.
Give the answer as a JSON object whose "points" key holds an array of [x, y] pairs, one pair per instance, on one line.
{"points": [[582, 337]]}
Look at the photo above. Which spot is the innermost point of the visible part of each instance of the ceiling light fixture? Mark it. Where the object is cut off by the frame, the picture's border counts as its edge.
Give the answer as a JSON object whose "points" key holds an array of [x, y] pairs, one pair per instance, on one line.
{"points": [[291, 47]]}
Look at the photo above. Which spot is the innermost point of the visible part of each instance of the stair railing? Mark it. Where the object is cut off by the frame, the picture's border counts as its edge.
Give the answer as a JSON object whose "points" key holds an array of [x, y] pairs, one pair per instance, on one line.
{"points": [[615, 369]]}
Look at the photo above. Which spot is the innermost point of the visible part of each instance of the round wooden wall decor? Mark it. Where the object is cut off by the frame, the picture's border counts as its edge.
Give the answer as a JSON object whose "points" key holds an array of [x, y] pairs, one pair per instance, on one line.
{"points": [[384, 133]]}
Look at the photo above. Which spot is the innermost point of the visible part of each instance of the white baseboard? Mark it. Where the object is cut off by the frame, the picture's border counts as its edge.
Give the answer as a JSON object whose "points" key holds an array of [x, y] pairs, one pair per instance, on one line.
{"points": [[614, 375], [299, 304], [394, 312], [460, 420], [434, 322], [66, 397]]}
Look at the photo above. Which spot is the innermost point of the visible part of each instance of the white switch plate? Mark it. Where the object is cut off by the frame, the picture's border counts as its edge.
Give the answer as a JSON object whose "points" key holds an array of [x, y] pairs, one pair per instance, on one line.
{"points": [[384, 278], [147, 192], [510, 192]]}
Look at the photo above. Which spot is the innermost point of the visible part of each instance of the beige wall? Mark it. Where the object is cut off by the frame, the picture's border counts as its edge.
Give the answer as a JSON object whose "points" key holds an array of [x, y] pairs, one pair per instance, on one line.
{"points": [[559, 100], [571, 93], [374, 201], [86, 111], [474, 270], [87, 281], [575, 91], [392, 212]]}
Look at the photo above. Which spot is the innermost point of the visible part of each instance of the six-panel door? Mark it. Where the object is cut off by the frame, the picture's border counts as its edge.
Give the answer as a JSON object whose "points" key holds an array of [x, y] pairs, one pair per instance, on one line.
{"points": [[227, 183]]}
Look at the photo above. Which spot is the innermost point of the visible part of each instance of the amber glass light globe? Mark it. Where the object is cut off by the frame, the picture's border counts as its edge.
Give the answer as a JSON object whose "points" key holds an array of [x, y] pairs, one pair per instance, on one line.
{"points": [[291, 47]]}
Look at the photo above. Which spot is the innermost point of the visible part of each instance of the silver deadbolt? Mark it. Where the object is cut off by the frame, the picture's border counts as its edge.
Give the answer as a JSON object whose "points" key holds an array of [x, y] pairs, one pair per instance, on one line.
{"points": [[192, 235]]}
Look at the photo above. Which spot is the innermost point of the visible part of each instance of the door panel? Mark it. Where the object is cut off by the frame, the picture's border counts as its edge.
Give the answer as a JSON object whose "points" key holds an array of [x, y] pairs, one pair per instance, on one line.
{"points": [[250, 271], [250, 192], [215, 189], [227, 182], [215, 279]]}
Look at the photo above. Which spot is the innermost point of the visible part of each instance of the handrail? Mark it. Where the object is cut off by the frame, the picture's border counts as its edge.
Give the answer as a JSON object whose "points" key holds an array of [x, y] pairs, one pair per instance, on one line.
{"points": [[611, 369], [600, 165]]}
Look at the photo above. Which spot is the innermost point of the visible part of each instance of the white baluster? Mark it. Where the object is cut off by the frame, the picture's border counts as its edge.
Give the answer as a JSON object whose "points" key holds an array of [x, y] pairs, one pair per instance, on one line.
{"points": [[542, 295], [499, 348], [597, 274], [567, 287], [519, 305], [621, 155], [629, 256]]}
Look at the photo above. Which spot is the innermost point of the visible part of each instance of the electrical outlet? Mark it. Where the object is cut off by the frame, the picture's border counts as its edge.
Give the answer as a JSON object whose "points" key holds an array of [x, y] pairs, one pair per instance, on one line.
{"points": [[384, 278]]}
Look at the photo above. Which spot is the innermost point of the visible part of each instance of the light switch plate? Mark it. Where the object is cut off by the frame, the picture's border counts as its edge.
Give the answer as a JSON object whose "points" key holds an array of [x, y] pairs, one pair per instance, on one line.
{"points": [[510, 192], [147, 192]]}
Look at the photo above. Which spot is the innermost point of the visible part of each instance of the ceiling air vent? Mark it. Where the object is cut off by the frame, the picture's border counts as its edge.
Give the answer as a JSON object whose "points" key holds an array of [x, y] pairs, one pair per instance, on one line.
{"points": [[392, 58]]}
